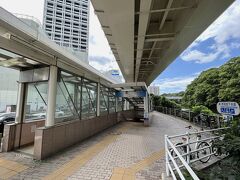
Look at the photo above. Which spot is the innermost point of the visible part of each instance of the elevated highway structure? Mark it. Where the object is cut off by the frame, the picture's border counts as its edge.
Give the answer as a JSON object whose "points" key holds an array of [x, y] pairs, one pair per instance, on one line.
{"points": [[147, 35]]}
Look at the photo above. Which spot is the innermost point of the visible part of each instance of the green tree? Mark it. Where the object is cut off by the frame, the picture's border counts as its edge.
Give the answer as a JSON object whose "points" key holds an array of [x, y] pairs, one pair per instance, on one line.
{"points": [[214, 85], [163, 101]]}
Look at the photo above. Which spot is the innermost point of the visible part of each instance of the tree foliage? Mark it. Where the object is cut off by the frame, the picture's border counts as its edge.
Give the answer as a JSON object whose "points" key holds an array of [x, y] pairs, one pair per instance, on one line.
{"points": [[214, 85], [201, 109], [181, 93], [163, 101]]}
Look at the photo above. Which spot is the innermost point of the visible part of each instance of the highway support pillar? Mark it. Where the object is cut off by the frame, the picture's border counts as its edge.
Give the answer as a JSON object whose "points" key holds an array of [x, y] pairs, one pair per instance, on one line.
{"points": [[52, 92]]}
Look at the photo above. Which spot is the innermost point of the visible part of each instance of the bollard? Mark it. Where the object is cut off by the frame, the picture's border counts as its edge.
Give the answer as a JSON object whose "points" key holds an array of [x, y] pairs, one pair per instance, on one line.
{"points": [[188, 148]]}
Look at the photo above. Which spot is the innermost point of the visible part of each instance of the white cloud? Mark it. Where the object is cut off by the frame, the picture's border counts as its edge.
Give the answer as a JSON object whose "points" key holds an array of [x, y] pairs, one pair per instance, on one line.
{"points": [[100, 54], [235, 45], [225, 28], [199, 57], [175, 84]]}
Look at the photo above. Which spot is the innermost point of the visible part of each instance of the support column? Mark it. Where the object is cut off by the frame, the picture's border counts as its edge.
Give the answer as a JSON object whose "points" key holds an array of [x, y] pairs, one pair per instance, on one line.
{"points": [[20, 103], [127, 105], [124, 104], [52, 91], [98, 99], [116, 103]]}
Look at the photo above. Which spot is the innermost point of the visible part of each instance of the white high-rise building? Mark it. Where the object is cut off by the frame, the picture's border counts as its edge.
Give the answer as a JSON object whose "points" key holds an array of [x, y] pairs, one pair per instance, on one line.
{"points": [[67, 23]]}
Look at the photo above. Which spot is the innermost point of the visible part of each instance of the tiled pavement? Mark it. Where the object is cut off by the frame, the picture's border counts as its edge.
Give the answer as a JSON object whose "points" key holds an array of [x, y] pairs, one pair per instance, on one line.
{"points": [[127, 151]]}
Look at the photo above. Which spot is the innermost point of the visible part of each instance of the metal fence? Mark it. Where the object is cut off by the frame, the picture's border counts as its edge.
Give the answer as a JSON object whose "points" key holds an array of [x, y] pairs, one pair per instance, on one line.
{"points": [[185, 149], [202, 120]]}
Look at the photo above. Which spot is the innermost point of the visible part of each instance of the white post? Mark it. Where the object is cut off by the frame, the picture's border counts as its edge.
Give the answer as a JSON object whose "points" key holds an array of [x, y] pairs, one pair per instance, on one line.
{"points": [[127, 105], [124, 104], [166, 156], [116, 104], [188, 148], [52, 92], [98, 99], [20, 103]]}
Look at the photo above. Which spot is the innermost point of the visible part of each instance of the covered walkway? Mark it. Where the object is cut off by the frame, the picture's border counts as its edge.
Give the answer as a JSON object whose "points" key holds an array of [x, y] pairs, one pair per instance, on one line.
{"points": [[125, 151]]}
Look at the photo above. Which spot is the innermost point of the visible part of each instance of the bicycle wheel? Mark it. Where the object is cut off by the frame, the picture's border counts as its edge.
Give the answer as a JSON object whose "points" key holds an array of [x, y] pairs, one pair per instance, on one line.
{"points": [[216, 151], [181, 150], [204, 152]]}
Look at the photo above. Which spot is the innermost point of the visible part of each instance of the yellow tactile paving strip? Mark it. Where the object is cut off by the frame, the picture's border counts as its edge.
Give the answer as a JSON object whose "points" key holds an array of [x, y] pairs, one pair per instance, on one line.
{"points": [[10, 168], [129, 173], [81, 159]]}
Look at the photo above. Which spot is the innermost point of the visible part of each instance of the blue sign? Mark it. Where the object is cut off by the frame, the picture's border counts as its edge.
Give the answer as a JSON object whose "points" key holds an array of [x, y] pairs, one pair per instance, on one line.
{"points": [[115, 73], [228, 108]]}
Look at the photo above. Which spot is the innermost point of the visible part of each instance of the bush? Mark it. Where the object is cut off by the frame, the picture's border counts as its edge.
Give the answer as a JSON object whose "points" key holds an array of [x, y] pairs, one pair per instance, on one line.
{"points": [[201, 109], [164, 102]]}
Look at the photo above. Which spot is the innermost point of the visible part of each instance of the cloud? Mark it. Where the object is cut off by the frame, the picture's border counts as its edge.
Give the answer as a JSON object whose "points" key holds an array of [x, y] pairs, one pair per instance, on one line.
{"points": [[100, 55], [176, 84], [101, 60], [224, 29], [200, 57], [98, 44]]}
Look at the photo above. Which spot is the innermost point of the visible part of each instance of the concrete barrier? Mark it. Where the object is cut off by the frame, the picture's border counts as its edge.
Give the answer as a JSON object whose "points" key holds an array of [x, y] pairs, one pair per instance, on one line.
{"points": [[50, 140], [17, 135]]}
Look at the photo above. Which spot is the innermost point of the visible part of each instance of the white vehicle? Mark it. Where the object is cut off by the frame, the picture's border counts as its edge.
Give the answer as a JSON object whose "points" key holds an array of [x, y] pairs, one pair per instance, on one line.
{"points": [[43, 115]]}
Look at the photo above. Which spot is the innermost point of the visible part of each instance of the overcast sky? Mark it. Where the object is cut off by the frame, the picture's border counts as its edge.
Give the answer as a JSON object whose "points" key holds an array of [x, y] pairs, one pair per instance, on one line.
{"points": [[219, 43]]}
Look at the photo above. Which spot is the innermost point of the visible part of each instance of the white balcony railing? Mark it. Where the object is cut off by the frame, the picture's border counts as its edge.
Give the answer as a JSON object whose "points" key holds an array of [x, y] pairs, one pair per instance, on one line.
{"points": [[192, 148]]}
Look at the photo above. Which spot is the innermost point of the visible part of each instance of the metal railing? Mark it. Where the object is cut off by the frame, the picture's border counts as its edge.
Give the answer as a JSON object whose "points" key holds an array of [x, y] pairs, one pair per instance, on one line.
{"points": [[206, 121], [180, 154]]}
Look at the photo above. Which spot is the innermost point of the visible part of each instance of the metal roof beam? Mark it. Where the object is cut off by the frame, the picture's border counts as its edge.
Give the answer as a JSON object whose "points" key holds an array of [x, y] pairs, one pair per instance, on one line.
{"points": [[165, 14], [160, 39], [142, 30], [149, 49], [166, 9], [160, 34]]}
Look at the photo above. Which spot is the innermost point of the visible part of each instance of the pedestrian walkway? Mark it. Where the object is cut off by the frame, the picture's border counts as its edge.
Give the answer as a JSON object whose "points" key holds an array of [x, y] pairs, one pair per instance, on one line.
{"points": [[127, 151]]}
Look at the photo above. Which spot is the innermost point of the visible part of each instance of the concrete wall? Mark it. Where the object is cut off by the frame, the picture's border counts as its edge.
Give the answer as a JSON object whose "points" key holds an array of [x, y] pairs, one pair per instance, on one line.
{"points": [[50, 140], [13, 138]]}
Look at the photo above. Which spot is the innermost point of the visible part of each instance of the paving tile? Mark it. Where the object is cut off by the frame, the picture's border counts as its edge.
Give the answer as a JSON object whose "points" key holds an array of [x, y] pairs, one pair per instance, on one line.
{"points": [[135, 153]]}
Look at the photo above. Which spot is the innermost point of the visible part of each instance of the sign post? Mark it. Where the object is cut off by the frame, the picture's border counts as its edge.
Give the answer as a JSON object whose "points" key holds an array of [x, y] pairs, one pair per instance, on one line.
{"points": [[228, 110]]}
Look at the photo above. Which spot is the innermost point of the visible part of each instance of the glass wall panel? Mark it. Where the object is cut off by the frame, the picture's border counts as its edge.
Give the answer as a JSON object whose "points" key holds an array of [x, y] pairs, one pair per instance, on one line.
{"points": [[112, 101], [103, 100], [36, 104], [120, 104], [131, 106], [68, 97], [89, 99]]}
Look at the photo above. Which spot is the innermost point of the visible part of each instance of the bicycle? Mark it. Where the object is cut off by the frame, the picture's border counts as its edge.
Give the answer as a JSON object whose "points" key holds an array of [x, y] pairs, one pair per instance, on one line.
{"points": [[217, 149], [203, 146]]}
